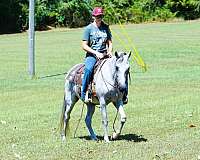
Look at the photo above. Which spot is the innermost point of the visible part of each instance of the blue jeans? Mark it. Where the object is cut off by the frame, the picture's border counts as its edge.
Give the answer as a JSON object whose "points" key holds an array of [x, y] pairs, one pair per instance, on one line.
{"points": [[89, 68]]}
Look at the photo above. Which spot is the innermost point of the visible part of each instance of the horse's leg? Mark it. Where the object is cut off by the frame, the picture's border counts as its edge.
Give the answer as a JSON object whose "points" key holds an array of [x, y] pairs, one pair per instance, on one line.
{"points": [[70, 99], [120, 108], [88, 120], [104, 118]]}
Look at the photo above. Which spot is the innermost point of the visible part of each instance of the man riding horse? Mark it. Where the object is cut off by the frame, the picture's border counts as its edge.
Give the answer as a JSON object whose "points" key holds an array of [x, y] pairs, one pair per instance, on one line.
{"points": [[97, 42], [111, 79]]}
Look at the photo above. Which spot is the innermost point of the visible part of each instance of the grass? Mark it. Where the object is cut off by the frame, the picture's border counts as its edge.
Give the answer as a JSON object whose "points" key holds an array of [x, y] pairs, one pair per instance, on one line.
{"points": [[163, 109]]}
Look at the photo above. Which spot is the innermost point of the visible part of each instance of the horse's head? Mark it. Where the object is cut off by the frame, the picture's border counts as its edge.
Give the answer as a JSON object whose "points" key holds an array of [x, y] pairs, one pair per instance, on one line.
{"points": [[122, 69]]}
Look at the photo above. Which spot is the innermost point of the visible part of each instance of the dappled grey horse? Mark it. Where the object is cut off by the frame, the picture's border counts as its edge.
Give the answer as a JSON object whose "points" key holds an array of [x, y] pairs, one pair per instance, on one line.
{"points": [[110, 83]]}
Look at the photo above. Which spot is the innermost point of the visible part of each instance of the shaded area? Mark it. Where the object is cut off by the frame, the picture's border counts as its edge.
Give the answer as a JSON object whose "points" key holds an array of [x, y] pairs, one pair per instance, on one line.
{"points": [[100, 138], [132, 137], [126, 137]]}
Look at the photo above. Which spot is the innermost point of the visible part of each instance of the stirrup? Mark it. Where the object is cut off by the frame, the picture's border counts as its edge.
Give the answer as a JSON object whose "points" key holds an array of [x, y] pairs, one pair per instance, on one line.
{"points": [[88, 98]]}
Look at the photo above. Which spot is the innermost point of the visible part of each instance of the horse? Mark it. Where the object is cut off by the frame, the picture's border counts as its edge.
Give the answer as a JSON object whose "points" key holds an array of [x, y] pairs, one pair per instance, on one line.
{"points": [[110, 83]]}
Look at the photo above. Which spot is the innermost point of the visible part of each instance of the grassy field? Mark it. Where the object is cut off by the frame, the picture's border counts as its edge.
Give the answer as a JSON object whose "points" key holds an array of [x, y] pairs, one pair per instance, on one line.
{"points": [[164, 103]]}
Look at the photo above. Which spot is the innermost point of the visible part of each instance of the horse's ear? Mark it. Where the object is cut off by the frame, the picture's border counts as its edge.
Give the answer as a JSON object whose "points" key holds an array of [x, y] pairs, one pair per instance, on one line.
{"points": [[129, 54], [116, 55]]}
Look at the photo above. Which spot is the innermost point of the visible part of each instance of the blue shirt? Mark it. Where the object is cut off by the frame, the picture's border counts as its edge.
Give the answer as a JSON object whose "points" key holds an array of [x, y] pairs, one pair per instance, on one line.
{"points": [[97, 37]]}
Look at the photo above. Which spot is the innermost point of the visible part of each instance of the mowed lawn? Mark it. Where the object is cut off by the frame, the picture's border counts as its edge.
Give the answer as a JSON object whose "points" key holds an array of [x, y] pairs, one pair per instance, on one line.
{"points": [[164, 102]]}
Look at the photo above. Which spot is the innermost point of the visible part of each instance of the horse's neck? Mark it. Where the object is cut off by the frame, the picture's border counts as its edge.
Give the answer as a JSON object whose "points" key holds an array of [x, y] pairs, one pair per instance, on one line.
{"points": [[112, 64], [108, 70]]}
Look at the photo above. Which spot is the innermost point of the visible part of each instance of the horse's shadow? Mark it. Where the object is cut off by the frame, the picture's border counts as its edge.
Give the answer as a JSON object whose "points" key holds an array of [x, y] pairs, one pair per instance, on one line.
{"points": [[126, 137]]}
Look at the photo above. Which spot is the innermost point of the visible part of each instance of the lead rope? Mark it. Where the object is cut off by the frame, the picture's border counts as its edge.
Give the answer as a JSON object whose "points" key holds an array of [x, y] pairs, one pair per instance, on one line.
{"points": [[79, 120]]}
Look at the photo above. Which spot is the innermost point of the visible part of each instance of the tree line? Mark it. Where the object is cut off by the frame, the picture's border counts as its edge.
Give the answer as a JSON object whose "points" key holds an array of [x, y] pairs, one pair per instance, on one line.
{"points": [[77, 13]]}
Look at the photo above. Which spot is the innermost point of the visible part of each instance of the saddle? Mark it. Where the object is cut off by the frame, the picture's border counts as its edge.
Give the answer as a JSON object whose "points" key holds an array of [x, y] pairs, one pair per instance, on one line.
{"points": [[76, 75]]}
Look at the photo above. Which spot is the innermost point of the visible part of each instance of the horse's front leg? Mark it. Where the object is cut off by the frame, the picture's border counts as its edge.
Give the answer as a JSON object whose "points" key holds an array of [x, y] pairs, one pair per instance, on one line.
{"points": [[120, 108], [104, 118]]}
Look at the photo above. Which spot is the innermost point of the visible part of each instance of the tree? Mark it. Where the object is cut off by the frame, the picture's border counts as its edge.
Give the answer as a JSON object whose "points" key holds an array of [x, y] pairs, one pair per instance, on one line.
{"points": [[10, 11]]}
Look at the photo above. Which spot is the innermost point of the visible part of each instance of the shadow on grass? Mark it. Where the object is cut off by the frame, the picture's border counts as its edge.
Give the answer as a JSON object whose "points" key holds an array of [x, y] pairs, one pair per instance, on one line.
{"points": [[126, 137], [132, 137]]}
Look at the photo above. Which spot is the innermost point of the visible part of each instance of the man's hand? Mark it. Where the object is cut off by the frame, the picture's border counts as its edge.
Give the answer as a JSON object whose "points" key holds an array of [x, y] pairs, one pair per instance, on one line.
{"points": [[109, 54], [99, 55]]}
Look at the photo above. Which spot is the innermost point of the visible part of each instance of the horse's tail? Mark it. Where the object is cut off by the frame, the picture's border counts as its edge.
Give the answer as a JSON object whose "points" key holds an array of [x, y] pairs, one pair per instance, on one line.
{"points": [[68, 77], [62, 118]]}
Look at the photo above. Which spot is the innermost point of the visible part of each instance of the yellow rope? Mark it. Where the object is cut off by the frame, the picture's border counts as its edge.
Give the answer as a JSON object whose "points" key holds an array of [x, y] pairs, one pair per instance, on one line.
{"points": [[139, 59], [120, 40], [123, 43], [136, 57]]}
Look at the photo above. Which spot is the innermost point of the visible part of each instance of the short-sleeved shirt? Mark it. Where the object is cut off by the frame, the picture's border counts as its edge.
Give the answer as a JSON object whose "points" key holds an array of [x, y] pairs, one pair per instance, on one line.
{"points": [[97, 37]]}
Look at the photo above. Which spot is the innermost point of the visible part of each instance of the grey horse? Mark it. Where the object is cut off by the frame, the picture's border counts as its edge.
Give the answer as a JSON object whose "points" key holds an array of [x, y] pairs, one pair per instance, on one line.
{"points": [[110, 83]]}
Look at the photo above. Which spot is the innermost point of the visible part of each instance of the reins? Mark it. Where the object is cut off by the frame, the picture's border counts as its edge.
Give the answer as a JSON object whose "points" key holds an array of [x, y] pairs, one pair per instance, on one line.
{"points": [[100, 70], [105, 81], [79, 120]]}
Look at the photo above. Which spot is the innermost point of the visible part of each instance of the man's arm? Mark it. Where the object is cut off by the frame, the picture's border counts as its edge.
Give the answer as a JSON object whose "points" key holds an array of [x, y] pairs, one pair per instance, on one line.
{"points": [[90, 50], [109, 43]]}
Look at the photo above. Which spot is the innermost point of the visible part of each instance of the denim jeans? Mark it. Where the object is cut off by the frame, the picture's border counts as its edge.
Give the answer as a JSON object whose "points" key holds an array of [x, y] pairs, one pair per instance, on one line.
{"points": [[89, 67]]}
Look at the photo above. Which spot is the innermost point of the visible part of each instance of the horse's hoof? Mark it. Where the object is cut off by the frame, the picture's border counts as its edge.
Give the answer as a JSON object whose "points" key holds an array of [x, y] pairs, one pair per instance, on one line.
{"points": [[106, 139], [63, 138], [94, 138], [114, 136]]}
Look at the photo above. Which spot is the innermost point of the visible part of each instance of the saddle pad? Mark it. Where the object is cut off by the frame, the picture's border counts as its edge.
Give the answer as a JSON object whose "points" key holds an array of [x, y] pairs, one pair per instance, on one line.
{"points": [[77, 69], [76, 74]]}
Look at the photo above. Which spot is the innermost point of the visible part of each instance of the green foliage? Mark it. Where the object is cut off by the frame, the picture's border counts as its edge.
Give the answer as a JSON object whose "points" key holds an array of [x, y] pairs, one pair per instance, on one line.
{"points": [[156, 10], [45, 13], [196, 4], [24, 14], [9, 15], [77, 13], [188, 9], [135, 11]]}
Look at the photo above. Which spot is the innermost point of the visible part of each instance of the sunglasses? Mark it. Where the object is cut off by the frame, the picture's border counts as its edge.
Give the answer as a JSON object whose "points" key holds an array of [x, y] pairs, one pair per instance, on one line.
{"points": [[98, 17]]}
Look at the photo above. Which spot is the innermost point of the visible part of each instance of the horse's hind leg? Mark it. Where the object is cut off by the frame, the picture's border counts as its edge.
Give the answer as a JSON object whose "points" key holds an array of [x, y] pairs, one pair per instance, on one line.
{"points": [[88, 120], [70, 99]]}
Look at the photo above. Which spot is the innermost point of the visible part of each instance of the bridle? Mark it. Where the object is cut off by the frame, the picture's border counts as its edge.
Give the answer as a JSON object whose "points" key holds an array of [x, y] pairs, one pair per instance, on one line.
{"points": [[116, 84]]}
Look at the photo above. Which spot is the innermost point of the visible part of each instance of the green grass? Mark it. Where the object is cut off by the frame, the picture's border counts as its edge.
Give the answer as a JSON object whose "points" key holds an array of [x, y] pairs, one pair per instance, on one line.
{"points": [[163, 102]]}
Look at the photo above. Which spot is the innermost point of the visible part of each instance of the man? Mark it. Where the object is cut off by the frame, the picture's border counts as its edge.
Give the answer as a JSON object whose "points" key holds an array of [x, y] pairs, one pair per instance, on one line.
{"points": [[97, 42]]}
